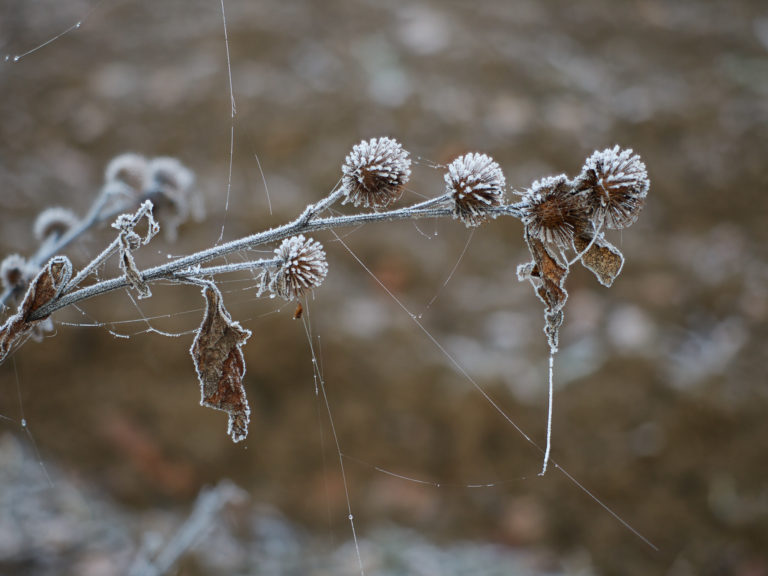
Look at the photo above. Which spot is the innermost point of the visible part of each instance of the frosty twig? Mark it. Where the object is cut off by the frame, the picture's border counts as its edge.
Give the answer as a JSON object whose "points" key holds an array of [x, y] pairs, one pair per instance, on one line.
{"points": [[559, 216]]}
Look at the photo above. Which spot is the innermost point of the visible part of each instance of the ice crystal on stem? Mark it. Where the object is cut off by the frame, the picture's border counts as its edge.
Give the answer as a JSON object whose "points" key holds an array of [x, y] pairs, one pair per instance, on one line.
{"points": [[375, 172]]}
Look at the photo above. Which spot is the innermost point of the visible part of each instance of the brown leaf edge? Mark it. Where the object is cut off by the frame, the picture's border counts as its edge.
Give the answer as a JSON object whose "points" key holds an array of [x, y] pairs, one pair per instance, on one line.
{"points": [[602, 258], [46, 287], [220, 365]]}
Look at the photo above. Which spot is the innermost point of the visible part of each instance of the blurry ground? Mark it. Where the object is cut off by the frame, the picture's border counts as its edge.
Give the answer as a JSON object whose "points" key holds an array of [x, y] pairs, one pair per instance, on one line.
{"points": [[662, 392]]}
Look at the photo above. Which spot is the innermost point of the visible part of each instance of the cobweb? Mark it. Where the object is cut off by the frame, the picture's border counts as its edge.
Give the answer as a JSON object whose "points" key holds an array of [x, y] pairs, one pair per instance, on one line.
{"points": [[148, 319]]}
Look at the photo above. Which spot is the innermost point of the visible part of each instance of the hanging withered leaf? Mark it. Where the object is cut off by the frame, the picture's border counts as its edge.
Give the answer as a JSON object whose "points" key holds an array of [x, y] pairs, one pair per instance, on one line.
{"points": [[218, 357], [547, 275], [599, 256], [45, 287]]}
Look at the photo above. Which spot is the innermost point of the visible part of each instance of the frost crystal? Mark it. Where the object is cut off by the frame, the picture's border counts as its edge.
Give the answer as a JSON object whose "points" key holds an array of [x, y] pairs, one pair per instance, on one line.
{"points": [[616, 184], [476, 184], [375, 172], [552, 212], [54, 221], [302, 268]]}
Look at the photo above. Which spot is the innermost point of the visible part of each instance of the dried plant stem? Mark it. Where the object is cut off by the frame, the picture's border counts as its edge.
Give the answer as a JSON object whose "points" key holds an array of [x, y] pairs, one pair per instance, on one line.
{"points": [[549, 411], [96, 215], [189, 266]]}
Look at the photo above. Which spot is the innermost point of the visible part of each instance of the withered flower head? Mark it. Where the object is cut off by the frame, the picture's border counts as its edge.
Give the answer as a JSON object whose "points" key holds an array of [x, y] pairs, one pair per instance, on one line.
{"points": [[128, 170], [54, 221], [302, 268], [476, 184], [615, 183], [553, 212], [375, 172], [16, 272], [169, 175], [169, 187]]}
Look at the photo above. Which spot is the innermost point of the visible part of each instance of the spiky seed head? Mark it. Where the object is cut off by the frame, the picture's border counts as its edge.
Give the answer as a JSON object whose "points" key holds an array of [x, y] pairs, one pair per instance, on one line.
{"points": [[553, 212], [128, 170], [169, 175], [375, 172], [54, 221], [15, 272], [169, 186], [302, 267], [615, 183], [476, 184]]}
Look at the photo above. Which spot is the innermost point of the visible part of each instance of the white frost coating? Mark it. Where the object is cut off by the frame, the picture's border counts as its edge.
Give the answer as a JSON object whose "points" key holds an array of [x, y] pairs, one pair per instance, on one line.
{"points": [[303, 268], [551, 212], [476, 184], [374, 172], [622, 184]]}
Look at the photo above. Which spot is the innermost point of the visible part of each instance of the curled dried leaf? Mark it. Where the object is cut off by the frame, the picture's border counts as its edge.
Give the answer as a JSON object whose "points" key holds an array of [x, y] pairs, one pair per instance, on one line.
{"points": [[547, 275], [220, 365], [599, 256], [129, 240], [45, 288]]}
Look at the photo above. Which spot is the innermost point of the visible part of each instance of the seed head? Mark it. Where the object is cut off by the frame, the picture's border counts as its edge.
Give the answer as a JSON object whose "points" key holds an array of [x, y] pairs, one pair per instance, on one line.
{"points": [[169, 187], [375, 172], [54, 221], [476, 184], [302, 267], [16, 273], [553, 212], [129, 171], [169, 175], [615, 184]]}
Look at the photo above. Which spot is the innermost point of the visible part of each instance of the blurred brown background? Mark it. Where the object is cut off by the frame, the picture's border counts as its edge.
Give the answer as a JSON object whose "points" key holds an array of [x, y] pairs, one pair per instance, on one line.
{"points": [[661, 397]]}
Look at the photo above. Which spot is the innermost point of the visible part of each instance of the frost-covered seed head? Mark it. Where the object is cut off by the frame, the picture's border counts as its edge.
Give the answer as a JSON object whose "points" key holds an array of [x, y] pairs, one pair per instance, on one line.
{"points": [[616, 183], [128, 169], [169, 175], [169, 187], [476, 184], [54, 221], [553, 212], [302, 268], [16, 273], [375, 172]]}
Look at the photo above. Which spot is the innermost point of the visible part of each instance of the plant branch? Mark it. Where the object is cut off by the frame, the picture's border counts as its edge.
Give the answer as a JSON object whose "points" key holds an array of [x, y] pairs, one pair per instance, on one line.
{"points": [[307, 222]]}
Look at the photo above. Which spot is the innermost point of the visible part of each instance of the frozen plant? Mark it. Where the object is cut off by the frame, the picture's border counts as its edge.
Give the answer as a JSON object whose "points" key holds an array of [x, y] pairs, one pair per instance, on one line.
{"points": [[564, 222]]}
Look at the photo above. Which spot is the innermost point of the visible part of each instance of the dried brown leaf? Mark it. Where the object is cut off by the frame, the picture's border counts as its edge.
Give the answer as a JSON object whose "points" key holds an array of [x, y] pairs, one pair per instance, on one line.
{"points": [[129, 241], [218, 357], [549, 273], [602, 258], [45, 287]]}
